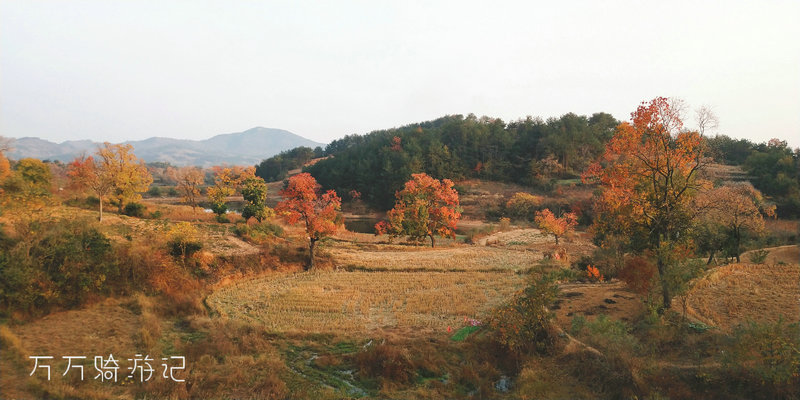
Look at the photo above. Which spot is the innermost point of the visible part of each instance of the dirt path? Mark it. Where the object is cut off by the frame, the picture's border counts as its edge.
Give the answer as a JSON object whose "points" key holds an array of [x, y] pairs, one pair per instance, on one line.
{"points": [[589, 300]]}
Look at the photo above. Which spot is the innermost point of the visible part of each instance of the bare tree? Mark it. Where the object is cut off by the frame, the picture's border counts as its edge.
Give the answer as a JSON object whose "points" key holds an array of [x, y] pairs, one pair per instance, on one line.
{"points": [[5, 144], [189, 180], [706, 119]]}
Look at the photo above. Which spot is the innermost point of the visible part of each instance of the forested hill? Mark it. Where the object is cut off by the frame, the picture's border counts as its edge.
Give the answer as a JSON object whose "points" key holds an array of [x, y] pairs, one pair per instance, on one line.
{"points": [[530, 151]]}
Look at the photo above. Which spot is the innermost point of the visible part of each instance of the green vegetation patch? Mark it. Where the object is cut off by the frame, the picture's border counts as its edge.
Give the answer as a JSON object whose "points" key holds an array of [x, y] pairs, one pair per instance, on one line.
{"points": [[462, 333]]}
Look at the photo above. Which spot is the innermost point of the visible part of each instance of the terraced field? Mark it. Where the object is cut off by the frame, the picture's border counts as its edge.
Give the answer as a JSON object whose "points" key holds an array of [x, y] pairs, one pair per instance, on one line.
{"points": [[351, 302], [437, 259], [737, 293]]}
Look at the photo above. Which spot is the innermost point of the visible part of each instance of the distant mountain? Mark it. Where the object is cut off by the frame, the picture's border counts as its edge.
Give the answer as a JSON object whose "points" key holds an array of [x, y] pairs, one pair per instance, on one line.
{"points": [[242, 148]]}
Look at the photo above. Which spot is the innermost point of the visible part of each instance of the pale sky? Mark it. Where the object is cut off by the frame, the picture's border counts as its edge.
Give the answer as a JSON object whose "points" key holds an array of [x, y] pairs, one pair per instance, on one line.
{"points": [[128, 70]]}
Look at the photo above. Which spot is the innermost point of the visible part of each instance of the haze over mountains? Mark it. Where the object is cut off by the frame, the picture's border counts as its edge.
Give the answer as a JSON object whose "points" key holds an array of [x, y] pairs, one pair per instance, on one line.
{"points": [[242, 148]]}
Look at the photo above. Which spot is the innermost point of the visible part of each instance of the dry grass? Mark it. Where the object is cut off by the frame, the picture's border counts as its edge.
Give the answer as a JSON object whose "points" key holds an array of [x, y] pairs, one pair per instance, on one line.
{"points": [[98, 329], [778, 255], [471, 258], [363, 301], [589, 300], [736, 293], [174, 212], [575, 244]]}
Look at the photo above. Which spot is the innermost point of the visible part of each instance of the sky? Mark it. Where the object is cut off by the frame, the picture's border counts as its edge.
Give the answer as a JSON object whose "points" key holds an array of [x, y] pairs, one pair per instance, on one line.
{"points": [[127, 70]]}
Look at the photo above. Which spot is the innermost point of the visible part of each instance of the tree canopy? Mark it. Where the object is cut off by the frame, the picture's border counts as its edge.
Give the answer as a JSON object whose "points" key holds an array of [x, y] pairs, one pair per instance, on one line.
{"points": [[304, 202], [648, 175], [457, 147], [424, 208]]}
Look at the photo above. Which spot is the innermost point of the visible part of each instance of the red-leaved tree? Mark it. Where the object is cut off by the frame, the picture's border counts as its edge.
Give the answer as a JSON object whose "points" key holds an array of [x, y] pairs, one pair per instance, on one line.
{"points": [[424, 208], [304, 203]]}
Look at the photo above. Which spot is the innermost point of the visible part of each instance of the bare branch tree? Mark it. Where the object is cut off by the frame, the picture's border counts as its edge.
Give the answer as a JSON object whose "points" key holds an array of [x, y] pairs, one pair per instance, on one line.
{"points": [[706, 119], [5, 144]]}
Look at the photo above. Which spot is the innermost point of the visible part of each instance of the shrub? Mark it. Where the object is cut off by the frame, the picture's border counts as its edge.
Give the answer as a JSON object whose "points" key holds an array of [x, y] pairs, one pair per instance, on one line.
{"points": [[523, 206], [639, 274], [594, 274], [258, 232], [387, 362], [609, 372], [764, 359], [758, 256], [183, 240], [154, 191], [59, 263], [134, 210], [525, 324], [219, 208]]}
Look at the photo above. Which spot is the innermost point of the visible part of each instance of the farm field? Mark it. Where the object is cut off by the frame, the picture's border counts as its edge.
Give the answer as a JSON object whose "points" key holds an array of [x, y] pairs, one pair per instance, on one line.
{"points": [[360, 302], [463, 258], [738, 293]]}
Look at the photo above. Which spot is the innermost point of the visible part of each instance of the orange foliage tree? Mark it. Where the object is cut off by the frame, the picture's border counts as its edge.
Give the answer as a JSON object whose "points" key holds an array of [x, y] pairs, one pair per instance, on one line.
{"points": [[557, 227], [648, 173], [84, 172], [5, 167], [424, 208], [736, 208], [304, 203]]}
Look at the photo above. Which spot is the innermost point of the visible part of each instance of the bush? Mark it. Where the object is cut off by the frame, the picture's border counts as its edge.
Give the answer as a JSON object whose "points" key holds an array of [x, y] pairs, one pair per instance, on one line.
{"points": [[154, 191], [525, 324], [258, 232], [608, 373], [639, 274], [758, 256], [134, 210], [219, 208], [60, 263], [523, 206], [764, 359], [386, 361], [183, 240]]}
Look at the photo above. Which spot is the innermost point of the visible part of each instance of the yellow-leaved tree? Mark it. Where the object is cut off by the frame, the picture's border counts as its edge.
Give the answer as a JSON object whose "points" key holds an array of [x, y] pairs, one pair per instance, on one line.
{"points": [[116, 173]]}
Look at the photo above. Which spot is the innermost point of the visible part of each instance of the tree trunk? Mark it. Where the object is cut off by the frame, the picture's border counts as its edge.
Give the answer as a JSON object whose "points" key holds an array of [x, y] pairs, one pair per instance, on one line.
{"points": [[556, 239], [311, 245], [710, 257], [101, 208], [664, 286], [737, 238], [433, 241]]}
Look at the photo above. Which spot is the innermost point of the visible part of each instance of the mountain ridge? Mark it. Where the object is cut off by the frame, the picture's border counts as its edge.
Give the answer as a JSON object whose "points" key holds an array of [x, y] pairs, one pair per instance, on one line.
{"points": [[243, 148]]}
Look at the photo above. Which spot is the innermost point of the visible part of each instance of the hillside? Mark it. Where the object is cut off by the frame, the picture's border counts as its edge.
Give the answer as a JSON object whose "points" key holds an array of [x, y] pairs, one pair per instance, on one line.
{"points": [[248, 147]]}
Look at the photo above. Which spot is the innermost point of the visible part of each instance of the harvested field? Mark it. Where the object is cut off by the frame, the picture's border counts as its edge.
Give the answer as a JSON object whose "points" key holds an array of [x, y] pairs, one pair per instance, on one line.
{"points": [[363, 301], [576, 244], [737, 293], [443, 259]]}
